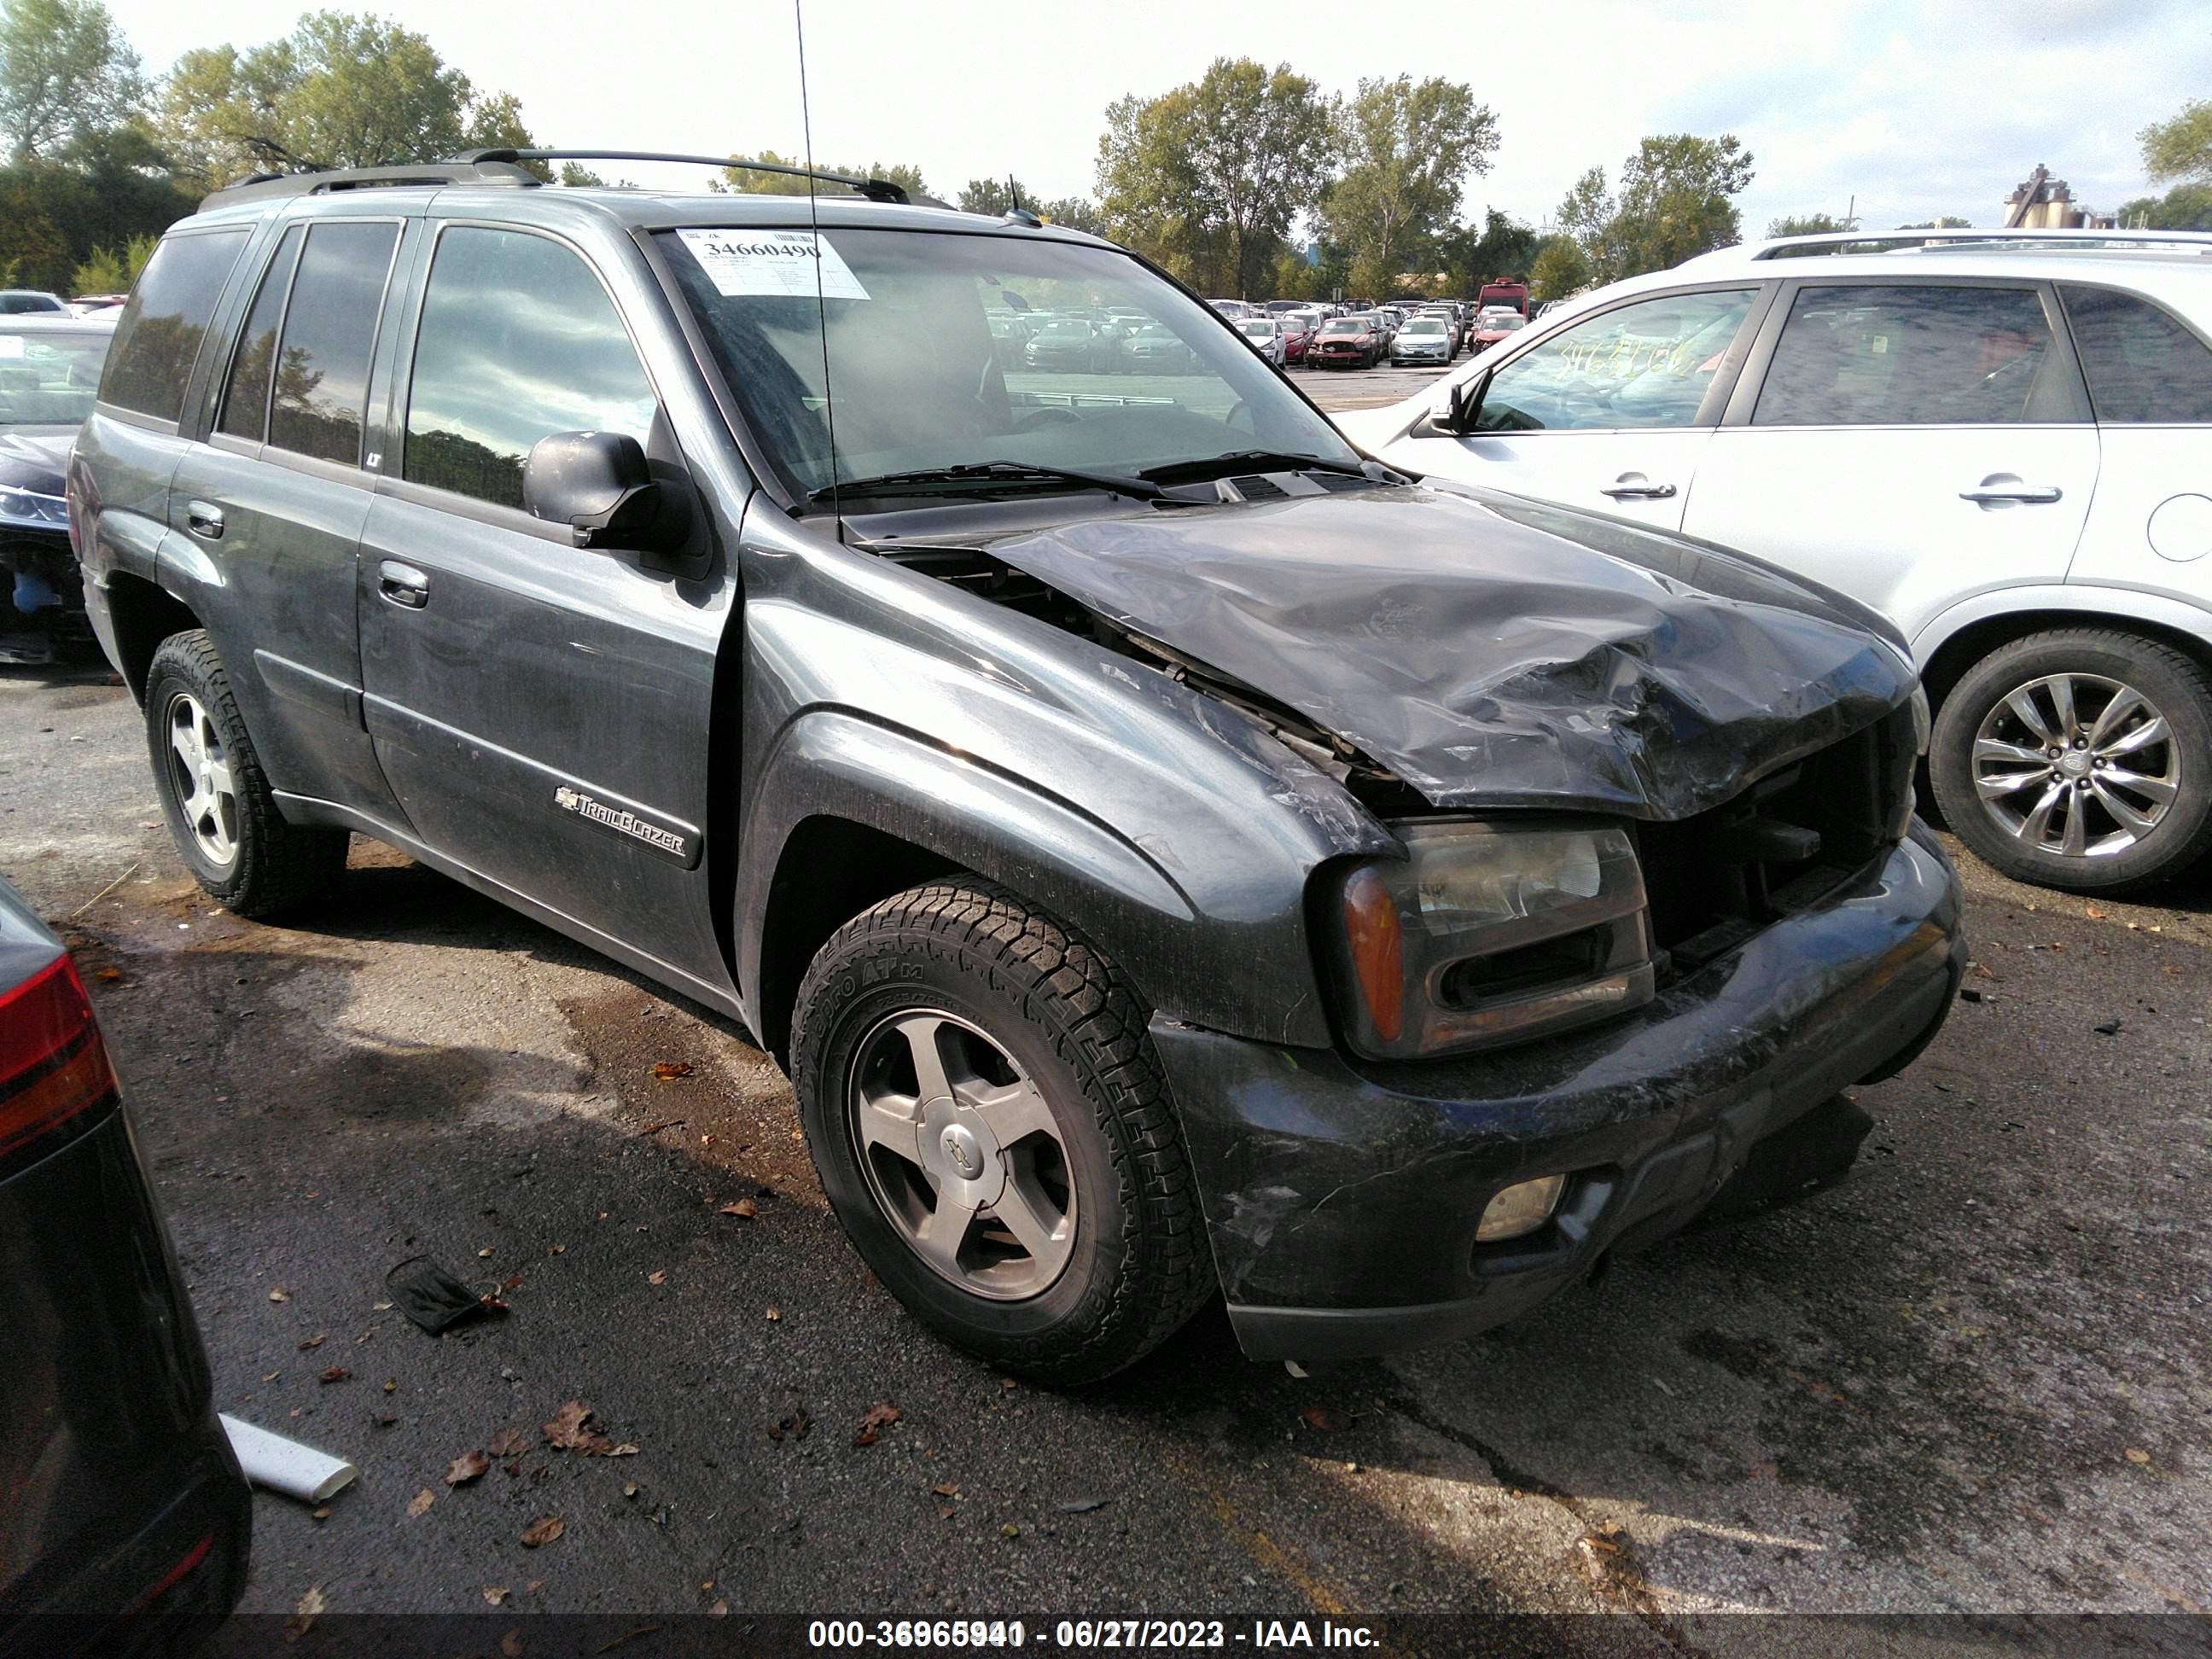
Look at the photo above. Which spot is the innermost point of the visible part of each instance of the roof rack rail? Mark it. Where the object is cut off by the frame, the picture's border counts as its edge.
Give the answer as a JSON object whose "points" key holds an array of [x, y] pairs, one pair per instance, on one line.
{"points": [[1883, 241], [491, 169], [876, 190]]}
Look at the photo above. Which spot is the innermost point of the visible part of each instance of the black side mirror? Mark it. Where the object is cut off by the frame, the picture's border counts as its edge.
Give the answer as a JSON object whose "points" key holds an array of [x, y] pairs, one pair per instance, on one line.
{"points": [[599, 484], [1454, 407]]}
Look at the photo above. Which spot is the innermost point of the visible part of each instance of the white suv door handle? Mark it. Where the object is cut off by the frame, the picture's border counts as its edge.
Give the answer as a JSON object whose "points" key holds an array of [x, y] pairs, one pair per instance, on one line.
{"points": [[1635, 484], [1989, 490]]}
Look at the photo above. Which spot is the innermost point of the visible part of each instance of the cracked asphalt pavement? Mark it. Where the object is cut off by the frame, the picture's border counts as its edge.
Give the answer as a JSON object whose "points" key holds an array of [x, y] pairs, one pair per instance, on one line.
{"points": [[1974, 1376]]}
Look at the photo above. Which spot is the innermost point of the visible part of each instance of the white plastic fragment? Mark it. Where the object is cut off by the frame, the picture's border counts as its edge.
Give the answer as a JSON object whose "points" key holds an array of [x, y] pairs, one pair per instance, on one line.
{"points": [[285, 1466]]}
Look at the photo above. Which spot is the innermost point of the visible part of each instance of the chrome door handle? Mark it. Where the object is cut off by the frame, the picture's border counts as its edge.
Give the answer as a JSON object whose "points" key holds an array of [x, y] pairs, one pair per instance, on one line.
{"points": [[2041, 494], [204, 520], [403, 585], [1621, 489]]}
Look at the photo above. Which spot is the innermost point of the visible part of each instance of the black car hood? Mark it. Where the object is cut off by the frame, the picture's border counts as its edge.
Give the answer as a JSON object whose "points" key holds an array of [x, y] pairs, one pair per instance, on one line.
{"points": [[1490, 650], [35, 460]]}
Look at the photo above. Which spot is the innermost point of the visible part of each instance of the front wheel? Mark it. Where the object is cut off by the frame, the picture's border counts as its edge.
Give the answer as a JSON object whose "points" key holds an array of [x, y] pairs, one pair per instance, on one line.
{"points": [[220, 808], [2080, 759], [993, 1131]]}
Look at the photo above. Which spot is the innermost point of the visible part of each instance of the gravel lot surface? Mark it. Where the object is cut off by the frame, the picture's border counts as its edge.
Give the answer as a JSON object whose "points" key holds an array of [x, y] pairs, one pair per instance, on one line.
{"points": [[1974, 1376]]}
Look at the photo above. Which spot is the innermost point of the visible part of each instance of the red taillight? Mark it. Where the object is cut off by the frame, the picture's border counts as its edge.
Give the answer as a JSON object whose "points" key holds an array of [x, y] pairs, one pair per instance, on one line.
{"points": [[52, 1065]]}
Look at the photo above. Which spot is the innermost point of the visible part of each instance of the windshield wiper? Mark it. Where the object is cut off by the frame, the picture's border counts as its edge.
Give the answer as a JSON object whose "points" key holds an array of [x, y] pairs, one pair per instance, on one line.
{"points": [[921, 479], [1243, 460]]}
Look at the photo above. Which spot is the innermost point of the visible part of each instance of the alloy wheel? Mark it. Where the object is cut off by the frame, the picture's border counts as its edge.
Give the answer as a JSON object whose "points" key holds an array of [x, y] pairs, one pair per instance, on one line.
{"points": [[2078, 765], [200, 776], [962, 1154]]}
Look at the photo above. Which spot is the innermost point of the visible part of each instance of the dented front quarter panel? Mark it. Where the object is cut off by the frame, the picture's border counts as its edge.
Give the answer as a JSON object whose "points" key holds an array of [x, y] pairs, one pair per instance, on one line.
{"points": [[1171, 827]]}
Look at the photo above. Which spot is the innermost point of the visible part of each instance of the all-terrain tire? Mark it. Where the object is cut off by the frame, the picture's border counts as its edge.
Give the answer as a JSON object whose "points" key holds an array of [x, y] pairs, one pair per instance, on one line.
{"points": [[1140, 1265], [277, 868]]}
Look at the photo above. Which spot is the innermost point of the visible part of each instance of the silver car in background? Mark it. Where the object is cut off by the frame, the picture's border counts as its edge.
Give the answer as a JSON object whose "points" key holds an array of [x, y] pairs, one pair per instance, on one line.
{"points": [[1265, 335], [1423, 339], [2000, 439]]}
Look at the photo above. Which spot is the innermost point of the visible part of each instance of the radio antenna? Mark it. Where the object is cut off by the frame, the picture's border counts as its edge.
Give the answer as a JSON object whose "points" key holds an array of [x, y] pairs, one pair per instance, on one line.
{"points": [[821, 301]]}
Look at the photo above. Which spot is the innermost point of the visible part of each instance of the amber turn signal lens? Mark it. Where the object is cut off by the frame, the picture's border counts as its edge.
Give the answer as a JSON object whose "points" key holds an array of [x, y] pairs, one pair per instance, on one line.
{"points": [[1370, 927]]}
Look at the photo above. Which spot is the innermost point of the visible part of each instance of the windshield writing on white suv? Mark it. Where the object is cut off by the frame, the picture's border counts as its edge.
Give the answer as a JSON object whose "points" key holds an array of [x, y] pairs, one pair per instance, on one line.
{"points": [[924, 373]]}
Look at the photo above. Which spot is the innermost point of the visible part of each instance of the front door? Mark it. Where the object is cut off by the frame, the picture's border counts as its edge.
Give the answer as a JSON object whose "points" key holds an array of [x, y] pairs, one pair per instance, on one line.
{"points": [[1912, 444], [1610, 414], [541, 710]]}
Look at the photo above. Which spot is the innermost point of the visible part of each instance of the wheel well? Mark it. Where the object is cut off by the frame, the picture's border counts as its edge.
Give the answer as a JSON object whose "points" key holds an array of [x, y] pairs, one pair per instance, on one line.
{"points": [[143, 616], [830, 870], [1959, 653]]}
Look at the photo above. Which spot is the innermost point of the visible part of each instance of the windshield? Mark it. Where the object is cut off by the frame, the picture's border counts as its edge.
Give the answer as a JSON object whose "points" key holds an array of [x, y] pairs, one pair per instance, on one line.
{"points": [[1426, 325], [48, 379], [916, 381], [1506, 322], [1258, 330], [1347, 326]]}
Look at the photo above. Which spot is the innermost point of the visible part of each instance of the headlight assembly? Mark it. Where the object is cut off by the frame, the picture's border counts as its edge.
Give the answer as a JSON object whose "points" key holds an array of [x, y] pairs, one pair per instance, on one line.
{"points": [[1488, 934], [29, 508]]}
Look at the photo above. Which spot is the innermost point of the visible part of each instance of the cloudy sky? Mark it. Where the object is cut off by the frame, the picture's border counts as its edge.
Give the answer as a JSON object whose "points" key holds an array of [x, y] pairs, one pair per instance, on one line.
{"points": [[1914, 107]]}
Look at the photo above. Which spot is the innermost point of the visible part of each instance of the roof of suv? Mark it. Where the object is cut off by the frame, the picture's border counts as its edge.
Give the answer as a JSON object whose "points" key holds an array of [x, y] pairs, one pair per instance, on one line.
{"points": [[642, 210]]}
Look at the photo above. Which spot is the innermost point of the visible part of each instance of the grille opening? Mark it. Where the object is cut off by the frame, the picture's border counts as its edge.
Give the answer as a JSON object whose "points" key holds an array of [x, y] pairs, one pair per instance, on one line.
{"points": [[1716, 879], [1515, 973]]}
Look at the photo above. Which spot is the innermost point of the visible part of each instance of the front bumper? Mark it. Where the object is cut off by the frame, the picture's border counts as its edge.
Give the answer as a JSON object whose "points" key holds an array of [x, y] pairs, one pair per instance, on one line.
{"points": [[1342, 1196]]}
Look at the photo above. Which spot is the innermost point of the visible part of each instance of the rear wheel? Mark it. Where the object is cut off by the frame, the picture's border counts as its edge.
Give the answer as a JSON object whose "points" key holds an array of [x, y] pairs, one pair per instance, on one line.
{"points": [[220, 808], [2080, 759], [993, 1131]]}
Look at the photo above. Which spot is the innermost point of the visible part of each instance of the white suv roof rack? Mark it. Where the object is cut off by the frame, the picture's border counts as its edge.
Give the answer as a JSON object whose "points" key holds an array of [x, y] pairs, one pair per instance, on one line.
{"points": [[1896, 241]]}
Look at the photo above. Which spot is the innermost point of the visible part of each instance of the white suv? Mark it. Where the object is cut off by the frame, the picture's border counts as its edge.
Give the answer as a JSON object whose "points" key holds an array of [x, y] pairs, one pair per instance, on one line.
{"points": [[2001, 441]]}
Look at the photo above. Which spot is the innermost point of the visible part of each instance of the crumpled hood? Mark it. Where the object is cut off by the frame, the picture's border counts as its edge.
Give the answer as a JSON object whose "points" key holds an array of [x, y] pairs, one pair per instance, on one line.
{"points": [[1494, 651], [35, 460]]}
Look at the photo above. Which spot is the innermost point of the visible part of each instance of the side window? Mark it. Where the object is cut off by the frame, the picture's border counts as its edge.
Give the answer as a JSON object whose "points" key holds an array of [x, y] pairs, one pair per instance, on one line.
{"points": [[245, 394], [518, 341], [1881, 355], [329, 330], [1643, 365], [2144, 364], [159, 335]]}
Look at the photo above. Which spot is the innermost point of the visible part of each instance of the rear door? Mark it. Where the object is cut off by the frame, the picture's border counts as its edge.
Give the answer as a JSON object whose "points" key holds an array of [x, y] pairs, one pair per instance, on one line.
{"points": [[1611, 414], [1911, 443], [541, 710], [276, 497], [2150, 381]]}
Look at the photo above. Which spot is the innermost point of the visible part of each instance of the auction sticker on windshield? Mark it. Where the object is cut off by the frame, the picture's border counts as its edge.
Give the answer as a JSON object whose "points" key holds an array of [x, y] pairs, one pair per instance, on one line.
{"points": [[777, 262]]}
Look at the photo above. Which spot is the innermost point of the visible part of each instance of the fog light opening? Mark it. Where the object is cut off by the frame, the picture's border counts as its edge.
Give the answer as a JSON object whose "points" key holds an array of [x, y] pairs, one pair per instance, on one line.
{"points": [[1520, 1209]]}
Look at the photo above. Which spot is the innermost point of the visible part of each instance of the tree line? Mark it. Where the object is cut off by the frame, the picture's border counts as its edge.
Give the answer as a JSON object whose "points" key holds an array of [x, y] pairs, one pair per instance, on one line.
{"points": [[1226, 182]]}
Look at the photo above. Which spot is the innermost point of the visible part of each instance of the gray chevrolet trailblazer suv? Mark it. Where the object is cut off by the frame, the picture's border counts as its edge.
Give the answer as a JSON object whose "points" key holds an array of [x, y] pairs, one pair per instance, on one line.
{"points": [[1172, 853]]}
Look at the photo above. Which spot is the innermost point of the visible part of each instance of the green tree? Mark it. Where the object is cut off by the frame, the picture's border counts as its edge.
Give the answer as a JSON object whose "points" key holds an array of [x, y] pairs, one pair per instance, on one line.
{"points": [[2180, 149], [993, 196], [1408, 149], [752, 181], [1672, 204], [1076, 212], [114, 269], [2185, 207], [1941, 222], [1560, 268], [66, 74], [1469, 257], [1208, 177], [98, 192], [342, 89], [1810, 224]]}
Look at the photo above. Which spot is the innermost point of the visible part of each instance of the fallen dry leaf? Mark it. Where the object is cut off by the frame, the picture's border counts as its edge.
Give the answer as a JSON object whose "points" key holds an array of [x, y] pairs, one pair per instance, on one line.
{"points": [[945, 1489], [543, 1530], [509, 1442], [322, 1514], [796, 1425], [774, 1313], [511, 1282], [335, 1374], [496, 1594], [626, 1449], [485, 1251], [108, 975], [1321, 1418], [556, 1249], [278, 1293], [511, 1644], [669, 1069], [419, 1504], [567, 1430], [718, 1610], [469, 1466], [383, 1419], [390, 1383], [659, 1276], [304, 1614], [743, 1207], [2092, 913], [880, 1416], [2137, 1455], [629, 1489]]}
